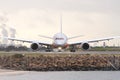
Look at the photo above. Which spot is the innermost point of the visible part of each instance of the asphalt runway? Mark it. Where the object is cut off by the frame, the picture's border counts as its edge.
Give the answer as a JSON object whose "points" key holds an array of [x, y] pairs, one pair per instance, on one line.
{"points": [[98, 52], [78, 52], [62, 75], [82, 52]]}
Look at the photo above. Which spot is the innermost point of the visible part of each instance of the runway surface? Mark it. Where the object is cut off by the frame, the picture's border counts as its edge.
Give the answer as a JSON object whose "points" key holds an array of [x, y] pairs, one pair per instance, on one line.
{"points": [[82, 52], [78, 52], [69, 75]]}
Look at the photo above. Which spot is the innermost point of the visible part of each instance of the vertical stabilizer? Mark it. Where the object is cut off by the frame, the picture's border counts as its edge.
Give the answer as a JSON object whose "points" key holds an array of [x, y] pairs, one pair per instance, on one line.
{"points": [[60, 23]]}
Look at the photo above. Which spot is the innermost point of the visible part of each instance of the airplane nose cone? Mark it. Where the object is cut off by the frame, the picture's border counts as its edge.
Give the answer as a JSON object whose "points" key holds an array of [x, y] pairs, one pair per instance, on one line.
{"points": [[60, 39]]}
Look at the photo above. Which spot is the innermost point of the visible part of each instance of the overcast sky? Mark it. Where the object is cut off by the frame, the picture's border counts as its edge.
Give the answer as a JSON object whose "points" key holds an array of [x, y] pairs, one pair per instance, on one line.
{"points": [[92, 18]]}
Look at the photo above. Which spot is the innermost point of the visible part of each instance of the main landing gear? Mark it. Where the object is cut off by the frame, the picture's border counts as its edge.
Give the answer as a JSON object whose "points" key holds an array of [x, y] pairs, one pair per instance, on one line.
{"points": [[72, 48], [48, 49]]}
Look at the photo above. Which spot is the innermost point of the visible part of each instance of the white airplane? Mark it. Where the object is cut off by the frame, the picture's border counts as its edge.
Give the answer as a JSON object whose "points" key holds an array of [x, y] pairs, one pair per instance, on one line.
{"points": [[60, 41]]}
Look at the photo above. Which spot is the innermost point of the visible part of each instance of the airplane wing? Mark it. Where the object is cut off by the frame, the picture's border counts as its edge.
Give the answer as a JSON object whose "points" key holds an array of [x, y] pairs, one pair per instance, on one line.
{"points": [[94, 40], [28, 41]]}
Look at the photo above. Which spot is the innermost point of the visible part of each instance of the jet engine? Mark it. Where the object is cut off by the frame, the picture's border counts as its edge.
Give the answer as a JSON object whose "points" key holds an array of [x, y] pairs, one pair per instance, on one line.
{"points": [[35, 46], [85, 46]]}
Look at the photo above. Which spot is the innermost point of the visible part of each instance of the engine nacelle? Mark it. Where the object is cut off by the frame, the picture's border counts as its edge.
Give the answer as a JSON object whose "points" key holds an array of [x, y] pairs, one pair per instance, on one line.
{"points": [[35, 46], [85, 46]]}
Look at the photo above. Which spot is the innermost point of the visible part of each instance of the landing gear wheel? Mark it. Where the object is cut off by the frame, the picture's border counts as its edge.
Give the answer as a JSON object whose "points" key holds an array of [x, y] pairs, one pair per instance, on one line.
{"points": [[73, 50], [48, 50]]}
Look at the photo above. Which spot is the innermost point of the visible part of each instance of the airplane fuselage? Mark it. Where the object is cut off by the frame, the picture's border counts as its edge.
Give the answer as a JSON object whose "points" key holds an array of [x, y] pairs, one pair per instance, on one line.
{"points": [[60, 40]]}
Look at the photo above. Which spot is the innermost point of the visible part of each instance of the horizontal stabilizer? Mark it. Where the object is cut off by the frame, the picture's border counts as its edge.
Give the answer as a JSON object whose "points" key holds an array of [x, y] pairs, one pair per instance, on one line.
{"points": [[45, 36], [75, 37]]}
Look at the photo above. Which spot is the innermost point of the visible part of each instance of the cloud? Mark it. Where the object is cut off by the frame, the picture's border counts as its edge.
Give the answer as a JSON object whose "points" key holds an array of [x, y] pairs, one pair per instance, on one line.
{"points": [[43, 21], [84, 16], [5, 28], [12, 32], [109, 6], [87, 17], [4, 33]]}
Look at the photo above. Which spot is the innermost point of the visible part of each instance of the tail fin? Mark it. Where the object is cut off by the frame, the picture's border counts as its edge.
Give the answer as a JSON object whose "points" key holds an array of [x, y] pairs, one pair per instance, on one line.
{"points": [[60, 23]]}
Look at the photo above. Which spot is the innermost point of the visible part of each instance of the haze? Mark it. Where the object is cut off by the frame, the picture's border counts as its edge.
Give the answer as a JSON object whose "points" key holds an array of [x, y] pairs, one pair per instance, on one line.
{"points": [[92, 18]]}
